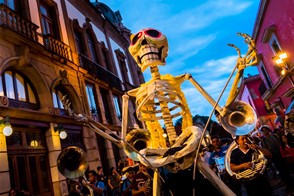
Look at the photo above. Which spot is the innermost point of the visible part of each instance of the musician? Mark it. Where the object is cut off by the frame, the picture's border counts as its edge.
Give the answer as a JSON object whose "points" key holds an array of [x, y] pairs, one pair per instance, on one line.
{"points": [[97, 186], [241, 158], [141, 185]]}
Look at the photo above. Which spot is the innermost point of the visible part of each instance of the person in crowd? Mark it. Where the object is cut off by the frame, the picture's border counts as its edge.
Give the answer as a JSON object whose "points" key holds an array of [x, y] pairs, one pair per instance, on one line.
{"points": [[142, 182], [74, 188], [126, 183], [287, 152], [120, 166], [113, 182], [240, 160], [97, 186], [272, 143], [289, 127], [102, 178], [217, 163]]}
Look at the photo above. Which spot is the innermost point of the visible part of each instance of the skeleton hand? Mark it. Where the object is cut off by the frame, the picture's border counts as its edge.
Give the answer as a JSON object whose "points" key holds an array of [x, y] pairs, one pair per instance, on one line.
{"points": [[251, 54]]}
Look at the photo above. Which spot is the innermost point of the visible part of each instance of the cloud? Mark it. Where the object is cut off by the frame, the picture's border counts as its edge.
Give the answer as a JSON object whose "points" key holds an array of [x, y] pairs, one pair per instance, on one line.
{"points": [[196, 31]]}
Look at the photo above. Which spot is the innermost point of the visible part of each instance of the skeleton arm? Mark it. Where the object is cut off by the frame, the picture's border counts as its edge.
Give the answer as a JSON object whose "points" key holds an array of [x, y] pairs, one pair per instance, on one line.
{"points": [[124, 123]]}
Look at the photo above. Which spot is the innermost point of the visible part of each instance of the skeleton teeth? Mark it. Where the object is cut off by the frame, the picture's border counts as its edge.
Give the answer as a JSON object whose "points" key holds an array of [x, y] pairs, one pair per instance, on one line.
{"points": [[148, 58], [148, 49]]}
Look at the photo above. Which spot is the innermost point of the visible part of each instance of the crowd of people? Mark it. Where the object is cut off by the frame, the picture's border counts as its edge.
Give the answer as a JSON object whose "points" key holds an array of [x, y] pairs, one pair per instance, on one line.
{"points": [[125, 180], [277, 146]]}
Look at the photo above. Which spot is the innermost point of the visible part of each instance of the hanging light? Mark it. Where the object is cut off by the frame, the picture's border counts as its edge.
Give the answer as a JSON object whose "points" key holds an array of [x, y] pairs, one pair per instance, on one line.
{"points": [[61, 130], [62, 134], [6, 126]]}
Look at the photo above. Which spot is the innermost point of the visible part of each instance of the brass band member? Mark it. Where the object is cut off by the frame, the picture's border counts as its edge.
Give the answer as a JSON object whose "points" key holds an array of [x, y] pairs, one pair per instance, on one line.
{"points": [[141, 185], [241, 158]]}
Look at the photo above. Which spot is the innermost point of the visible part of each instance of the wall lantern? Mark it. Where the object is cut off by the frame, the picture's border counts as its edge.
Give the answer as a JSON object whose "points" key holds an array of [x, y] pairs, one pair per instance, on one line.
{"points": [[61, 130], [6, 126], [280, 60]]}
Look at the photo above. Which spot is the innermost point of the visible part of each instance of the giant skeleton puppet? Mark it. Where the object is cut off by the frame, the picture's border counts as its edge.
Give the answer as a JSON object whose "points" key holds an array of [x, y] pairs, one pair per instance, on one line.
{"points": [[161, 99]]}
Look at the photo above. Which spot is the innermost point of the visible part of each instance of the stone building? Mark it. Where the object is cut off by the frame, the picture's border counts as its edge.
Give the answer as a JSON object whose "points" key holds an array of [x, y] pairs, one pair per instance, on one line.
{"points": [[52, 52]]}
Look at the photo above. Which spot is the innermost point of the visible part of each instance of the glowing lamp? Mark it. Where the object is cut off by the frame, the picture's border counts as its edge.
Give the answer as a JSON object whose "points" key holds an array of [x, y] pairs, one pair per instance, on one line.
{"points": [[283, 55], [279, 61], [6, 126], [62, 134], [7, 130]]}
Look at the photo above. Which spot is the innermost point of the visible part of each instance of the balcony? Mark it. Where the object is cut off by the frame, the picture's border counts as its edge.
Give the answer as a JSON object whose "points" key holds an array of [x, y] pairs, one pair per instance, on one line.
{"points": [[57, 47], [100, 73], [9, 19]]}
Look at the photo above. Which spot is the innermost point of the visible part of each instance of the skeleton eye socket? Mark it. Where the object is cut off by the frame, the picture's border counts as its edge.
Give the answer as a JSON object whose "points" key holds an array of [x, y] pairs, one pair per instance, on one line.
{"points": [[135, 38], [152, 33]]}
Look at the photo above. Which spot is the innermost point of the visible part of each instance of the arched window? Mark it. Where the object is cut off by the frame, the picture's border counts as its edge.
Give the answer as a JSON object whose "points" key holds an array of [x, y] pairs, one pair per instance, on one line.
{"points": [[61, 100], [18, 89], [57, 96]]}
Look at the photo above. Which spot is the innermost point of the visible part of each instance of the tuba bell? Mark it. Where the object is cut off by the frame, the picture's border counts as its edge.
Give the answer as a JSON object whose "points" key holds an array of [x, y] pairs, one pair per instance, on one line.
{"points": [[239, 118], [138, 139], [72, 163]]}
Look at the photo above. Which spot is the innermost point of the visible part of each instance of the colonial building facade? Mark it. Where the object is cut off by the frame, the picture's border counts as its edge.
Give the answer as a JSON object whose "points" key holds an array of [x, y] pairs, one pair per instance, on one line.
{"points": [[273, 35], [52, 52]]}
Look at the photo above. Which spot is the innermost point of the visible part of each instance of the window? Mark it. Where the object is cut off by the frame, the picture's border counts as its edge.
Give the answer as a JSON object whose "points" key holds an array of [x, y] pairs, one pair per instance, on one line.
{"points": [[12, 4], [253, 94], [126, 75], [74, 137], [105, 57], [57, 96], [48, 17], [91, 95], [17, 88], [92, 48], [274, 44], [79, 42], [105, 98], [266, 77], [117, 107], [276, 48]]}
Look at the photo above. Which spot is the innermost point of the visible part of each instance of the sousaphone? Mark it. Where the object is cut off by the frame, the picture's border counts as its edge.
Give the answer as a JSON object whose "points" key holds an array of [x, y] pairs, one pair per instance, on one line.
{"points": [[258, 161], [72, 163]]}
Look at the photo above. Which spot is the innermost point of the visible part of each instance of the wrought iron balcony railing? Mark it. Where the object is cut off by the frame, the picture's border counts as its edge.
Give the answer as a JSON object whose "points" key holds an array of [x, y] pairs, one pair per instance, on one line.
{"points": [[10, 19], [101, 73], [57, 47]]}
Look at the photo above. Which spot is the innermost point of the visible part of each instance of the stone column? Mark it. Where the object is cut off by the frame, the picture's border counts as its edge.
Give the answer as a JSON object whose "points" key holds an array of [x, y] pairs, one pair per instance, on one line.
{"points": [[54, 148], [91, 146], [4, 170]]}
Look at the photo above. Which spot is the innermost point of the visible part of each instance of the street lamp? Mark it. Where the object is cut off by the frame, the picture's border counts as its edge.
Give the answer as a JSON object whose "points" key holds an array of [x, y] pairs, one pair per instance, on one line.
{"points": [[280, 60]]}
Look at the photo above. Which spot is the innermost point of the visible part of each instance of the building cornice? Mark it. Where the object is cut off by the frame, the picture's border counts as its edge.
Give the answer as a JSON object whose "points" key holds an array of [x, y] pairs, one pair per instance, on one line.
{"points": [[261, 10]]}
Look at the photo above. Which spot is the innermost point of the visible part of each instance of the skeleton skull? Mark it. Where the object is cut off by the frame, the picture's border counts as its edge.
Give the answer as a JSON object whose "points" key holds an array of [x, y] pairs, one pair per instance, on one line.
{"points": [[149, 47]]}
